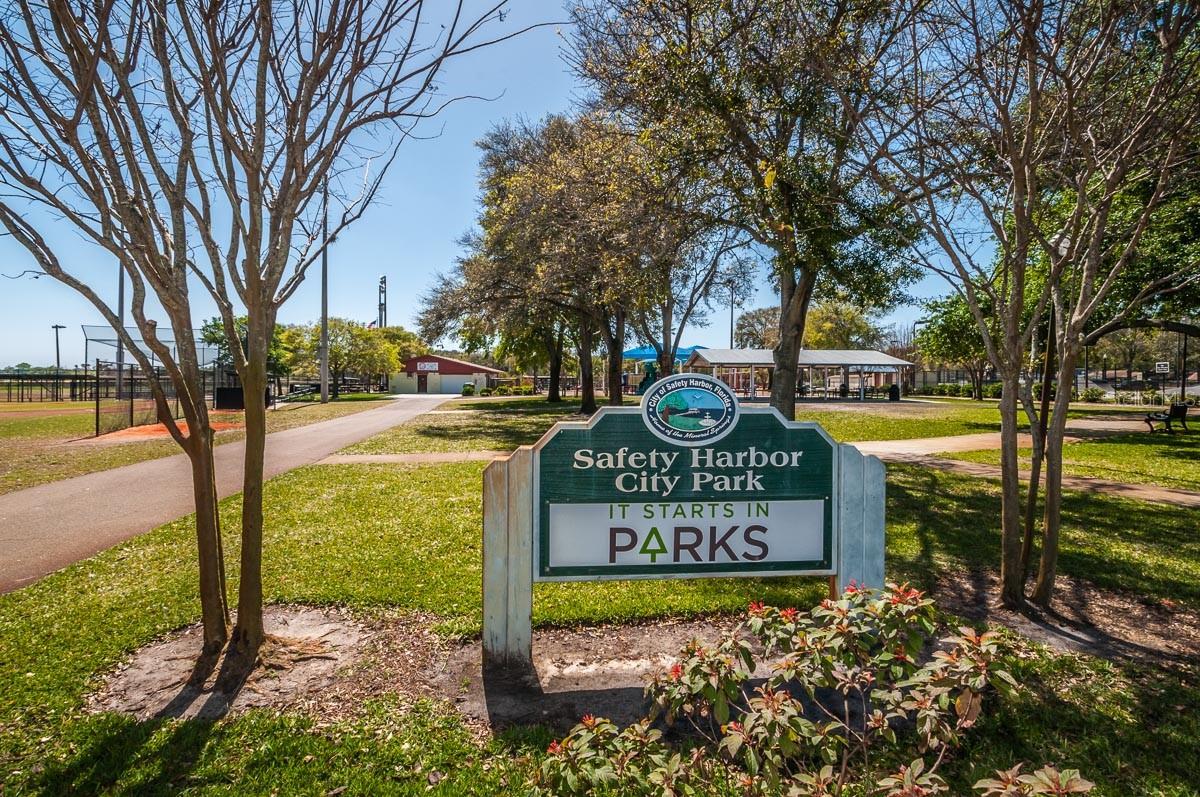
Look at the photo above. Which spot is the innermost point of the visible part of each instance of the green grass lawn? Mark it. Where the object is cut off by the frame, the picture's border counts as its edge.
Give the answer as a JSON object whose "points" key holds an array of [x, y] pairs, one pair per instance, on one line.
{"points": [[502, 425], [35, 450], [1162, 459], [385, 538], [478, 425]]}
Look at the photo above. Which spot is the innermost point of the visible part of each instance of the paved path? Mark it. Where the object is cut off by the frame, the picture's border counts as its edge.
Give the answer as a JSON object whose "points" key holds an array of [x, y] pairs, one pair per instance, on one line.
{"points": [[922, 451], [1077, 429], [1083, 484], [48, 527], [422, 458]]}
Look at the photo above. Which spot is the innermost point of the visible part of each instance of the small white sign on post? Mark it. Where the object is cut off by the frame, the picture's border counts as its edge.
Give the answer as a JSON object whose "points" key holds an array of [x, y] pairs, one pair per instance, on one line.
{"points": [[1162, 368]]}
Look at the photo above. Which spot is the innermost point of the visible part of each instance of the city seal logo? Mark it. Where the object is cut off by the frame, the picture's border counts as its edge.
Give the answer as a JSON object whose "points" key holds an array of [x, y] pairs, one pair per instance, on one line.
{"points": [[690, 409]]}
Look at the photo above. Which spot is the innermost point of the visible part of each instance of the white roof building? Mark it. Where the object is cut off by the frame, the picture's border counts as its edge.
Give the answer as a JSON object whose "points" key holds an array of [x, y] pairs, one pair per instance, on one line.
{"points": [[857, 360], [822, 372]]}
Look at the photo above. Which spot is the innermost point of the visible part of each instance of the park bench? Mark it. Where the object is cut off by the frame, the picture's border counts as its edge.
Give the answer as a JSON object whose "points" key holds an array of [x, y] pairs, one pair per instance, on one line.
{"points": [[1178, 412]]}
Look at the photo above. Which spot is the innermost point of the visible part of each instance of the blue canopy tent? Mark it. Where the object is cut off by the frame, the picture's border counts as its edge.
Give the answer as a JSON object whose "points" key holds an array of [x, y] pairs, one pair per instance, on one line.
{"points": [[647, 353]]}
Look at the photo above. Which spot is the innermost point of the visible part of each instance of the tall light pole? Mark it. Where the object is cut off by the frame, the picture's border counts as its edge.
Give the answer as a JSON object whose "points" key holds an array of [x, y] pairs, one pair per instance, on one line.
{"points": [[731, 284], [382, 322], [325, 294], [57, 363]]}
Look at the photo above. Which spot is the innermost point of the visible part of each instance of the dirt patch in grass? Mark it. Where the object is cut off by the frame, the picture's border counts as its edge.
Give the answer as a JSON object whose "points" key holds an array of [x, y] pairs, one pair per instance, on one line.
{"points": [[1082, 618], [307, 649], [598, 670], [333, 660], [158, 431]]}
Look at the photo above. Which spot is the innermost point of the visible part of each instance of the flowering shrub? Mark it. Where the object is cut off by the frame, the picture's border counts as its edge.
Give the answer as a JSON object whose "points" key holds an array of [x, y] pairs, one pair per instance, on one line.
{"points": [[834, 701]]}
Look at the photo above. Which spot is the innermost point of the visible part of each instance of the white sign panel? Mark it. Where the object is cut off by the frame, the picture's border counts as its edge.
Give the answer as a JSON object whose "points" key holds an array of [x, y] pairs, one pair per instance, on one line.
{"points": [[1162, 368], [427, 366], [675, 533]]}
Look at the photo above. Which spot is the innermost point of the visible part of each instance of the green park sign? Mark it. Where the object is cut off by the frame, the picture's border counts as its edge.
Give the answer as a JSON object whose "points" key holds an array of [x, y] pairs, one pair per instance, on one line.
{"points": [[688, 484]]}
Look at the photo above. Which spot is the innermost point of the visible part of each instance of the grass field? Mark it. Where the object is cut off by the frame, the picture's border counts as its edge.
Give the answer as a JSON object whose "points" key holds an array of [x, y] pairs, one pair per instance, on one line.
{"points": [[383, 538], [36, 448], [1162, 459], [379, 539], [502, 425]]}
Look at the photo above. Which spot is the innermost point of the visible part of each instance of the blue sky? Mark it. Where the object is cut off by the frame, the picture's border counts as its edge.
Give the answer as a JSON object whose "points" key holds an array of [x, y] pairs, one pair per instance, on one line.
{"points": [[427, 202]]}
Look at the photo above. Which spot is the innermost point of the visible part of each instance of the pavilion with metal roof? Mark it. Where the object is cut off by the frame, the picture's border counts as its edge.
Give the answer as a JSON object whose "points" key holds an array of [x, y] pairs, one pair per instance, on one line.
{"points": [[825, 373]]}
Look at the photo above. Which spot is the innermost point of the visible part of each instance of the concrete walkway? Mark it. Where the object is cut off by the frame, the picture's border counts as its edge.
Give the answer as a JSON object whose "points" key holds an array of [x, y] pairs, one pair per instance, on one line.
{"points": [[421, 458], [1077, 429], [1082, 484], [47, 527], [922, 451]]}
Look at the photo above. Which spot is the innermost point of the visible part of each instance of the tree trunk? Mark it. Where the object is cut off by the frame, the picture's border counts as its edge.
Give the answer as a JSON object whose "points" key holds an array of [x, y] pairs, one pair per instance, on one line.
{"points": [[555, 352], [214, 612], [248, 632], [1043, 590], [587, 381], [666, 355], [616, 342], [1012, 581], [1038, 454], [794, 298]]}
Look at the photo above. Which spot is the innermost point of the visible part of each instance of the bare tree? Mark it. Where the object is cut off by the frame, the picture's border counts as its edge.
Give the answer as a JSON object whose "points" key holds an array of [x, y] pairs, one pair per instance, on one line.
{"points": [[1025, 132], [191, 142]]}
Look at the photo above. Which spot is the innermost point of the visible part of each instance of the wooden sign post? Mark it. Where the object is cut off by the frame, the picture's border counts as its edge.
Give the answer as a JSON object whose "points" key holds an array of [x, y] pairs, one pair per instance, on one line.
{"points": [[689, 485]]}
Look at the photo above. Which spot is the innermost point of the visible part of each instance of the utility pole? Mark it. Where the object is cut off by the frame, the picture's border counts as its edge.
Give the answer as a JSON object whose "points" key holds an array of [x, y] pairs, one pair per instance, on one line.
{"points": [[57, 363], [325, 294], [57, 353]]}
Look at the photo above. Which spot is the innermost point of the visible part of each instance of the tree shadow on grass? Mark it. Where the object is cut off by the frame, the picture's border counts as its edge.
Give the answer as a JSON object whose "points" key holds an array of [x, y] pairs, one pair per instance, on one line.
{"points": [[944, 538], [1131, 730], [111, 746]]}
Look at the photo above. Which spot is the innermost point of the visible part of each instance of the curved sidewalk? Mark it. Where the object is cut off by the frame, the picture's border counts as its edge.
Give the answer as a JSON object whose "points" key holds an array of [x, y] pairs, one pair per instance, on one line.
{"points": [[47, 527], [923, 451]]}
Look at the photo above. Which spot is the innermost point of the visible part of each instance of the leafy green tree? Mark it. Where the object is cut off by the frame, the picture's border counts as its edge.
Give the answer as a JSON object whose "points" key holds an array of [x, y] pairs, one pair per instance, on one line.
{"points": [[760, 100], [757, 329], [279, 356], [948, 334], [838, 324], [354, 350], [408, 344]]}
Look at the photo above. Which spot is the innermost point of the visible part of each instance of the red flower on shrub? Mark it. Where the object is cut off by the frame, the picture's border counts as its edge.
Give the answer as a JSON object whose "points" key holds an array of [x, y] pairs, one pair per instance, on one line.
{"points": [[676, 671], [588, 721], [756, 608], [789, 614], [555, 748]]}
